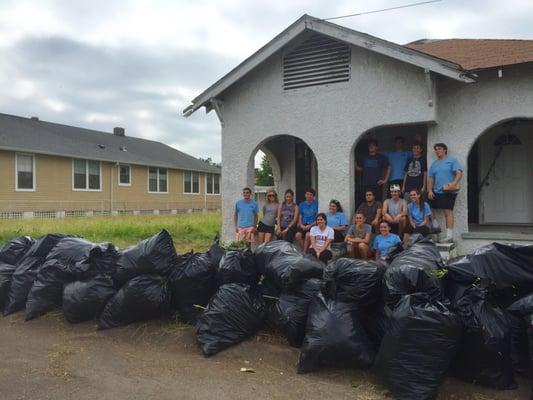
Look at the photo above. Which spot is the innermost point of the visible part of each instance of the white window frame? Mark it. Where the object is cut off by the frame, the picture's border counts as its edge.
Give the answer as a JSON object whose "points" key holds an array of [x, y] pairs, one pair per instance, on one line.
{"points": [[148, 180], [213, 185], [192, 186], [129, 174], [87, 176], [34, 188]]}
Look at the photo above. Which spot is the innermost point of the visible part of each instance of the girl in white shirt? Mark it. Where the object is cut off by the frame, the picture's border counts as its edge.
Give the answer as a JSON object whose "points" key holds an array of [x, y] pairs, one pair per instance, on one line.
{"points": [[321, 236]]}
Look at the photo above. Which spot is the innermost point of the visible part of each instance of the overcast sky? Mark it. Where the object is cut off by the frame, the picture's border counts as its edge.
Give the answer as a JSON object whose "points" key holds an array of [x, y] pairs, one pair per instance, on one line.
{"points": [[137, 64]]}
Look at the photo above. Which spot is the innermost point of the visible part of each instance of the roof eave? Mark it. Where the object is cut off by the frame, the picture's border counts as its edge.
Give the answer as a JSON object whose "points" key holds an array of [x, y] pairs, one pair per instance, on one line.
{"points": [[411, 56]]}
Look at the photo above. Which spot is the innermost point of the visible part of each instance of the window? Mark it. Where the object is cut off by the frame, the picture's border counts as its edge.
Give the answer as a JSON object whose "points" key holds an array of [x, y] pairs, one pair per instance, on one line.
{"points": [[191, 182], [25, 172], [212, 182], [86, 174], [157, 180], [124, 177]]}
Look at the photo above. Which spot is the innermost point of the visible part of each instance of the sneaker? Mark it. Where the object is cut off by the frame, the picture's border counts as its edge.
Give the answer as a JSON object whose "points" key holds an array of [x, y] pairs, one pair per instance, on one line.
{"points": [[446, 240]]}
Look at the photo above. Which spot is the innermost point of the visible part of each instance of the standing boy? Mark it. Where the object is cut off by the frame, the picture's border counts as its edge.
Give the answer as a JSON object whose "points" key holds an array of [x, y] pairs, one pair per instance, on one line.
{"points": [[443, 185], [415, 171], [375, 170], [397, 160], [245, 216]]}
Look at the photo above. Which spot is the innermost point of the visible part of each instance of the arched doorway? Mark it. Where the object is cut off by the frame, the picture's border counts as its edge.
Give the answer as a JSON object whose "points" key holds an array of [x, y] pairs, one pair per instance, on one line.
{"points": [[500, 175], [293, 165], [385, 135]]}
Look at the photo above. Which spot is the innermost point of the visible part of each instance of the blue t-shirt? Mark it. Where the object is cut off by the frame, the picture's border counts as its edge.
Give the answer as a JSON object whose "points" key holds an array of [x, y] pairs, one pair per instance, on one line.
{"points": [[308, 211], [246, 212], [373, 167], [416, 214], [337, 219], [443, 171], [384, 243], [397, 160]]}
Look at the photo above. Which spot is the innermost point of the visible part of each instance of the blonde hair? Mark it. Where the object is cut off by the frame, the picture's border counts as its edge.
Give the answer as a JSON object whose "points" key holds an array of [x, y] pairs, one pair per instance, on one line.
{"points": [[272, 191]]}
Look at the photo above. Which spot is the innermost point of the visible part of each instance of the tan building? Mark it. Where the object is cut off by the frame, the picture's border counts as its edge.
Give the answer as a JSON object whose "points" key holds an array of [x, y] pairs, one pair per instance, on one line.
{"points": [[54, 170]]}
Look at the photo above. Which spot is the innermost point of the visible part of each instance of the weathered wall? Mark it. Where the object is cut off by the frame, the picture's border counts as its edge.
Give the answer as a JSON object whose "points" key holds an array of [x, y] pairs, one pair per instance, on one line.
{"points": [[467, 110], [54, 189], [330, 119]]}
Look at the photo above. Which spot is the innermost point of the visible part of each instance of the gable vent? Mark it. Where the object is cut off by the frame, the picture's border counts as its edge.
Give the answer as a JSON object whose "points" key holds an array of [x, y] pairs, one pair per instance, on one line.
{"points": [[317, 61]]}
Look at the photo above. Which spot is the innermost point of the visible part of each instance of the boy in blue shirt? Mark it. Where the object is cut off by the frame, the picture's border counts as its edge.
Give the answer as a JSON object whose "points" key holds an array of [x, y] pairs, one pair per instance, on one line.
{"points": [[397, 159], [245, 216], [443, 184], [375, 170], [308, 211]]}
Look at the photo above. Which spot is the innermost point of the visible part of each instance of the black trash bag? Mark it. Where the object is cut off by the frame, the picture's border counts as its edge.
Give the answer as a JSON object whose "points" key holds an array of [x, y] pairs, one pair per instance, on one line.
{"points": [[6, 273], [519, 312], [238, 266], [27, 270], [289, 313], [265, 252], [285, 266], [193, 283], [155, 255], [348, 280], [334, 337], [376, 322], [235, 313], [141, 298], [416, 352], [484, 356], [508, 268], [11, 252], [414, 270], [216, 251], [85, 300]]}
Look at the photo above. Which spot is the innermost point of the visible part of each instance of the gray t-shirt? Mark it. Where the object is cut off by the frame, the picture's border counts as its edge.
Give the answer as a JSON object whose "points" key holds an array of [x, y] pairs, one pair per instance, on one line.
{"points": [[269, 214], [359, 233], [394, 208]]}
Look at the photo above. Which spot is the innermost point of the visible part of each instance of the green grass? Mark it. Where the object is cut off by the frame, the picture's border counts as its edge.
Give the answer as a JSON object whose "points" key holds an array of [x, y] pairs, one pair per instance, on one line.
{"points": [[189, 231]]}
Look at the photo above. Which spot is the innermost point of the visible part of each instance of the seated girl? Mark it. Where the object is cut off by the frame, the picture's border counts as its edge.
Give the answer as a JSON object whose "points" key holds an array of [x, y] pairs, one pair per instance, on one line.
{"points": [[418, 212], [337, 220], [321, 237], [358, 238], [385, 240]]}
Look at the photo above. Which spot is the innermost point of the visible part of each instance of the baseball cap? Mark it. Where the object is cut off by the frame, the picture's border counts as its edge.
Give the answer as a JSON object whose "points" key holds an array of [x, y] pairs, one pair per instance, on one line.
{"points": [[394, 187]]}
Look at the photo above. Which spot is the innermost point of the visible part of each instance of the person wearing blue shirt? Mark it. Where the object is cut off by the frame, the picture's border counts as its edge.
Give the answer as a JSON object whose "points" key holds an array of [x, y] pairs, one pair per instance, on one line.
{"points": [[418, 212], [306, 219], [397, 160], [443, 184], [337, 220], [245, 216], [385, 240], [374, 169]]}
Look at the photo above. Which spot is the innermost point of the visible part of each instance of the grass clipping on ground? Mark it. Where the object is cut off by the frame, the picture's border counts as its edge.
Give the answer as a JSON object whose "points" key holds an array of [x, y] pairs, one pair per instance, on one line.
{"points": [[189, 231]]}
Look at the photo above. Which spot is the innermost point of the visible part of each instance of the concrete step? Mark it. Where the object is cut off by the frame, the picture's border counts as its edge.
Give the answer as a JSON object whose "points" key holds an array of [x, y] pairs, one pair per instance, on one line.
{"points": [[447, 250]]}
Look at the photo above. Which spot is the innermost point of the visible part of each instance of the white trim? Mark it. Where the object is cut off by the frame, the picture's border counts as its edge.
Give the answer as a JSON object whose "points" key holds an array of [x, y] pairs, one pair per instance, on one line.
{"points": [[129, 174], [213, 186], [192, 186], [34, 181], [87, 176], [148, 180]]}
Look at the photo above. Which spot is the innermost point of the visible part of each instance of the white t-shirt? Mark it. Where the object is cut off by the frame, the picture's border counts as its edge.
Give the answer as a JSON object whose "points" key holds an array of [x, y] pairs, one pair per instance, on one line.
{"points": [[321, 236]]}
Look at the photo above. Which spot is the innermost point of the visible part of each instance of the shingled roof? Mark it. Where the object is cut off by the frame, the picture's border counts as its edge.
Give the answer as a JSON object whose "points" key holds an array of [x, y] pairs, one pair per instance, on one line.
{"points": [[36, 136], [476, 54]]}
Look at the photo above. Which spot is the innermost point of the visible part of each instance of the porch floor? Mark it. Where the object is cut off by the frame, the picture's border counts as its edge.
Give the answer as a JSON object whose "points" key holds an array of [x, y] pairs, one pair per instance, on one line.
{"points": [[499, 232]]}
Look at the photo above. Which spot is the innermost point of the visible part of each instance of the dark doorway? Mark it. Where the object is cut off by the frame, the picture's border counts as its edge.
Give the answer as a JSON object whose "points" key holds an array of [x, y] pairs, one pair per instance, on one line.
{"points": [[305, 168]]}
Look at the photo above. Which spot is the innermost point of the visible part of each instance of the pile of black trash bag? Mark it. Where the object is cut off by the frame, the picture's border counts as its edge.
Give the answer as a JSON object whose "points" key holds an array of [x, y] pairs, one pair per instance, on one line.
{"points": [[413, 318]]}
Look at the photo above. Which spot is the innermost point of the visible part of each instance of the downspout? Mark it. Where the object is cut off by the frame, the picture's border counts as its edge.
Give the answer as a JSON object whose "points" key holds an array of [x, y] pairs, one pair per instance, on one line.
{"points": [[111, 189], [205, 192]]}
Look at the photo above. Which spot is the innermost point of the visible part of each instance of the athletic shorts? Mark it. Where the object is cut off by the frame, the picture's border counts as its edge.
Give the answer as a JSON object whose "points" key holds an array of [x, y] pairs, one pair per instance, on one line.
{"points": [[246, 233], [303, 232], [265, 228], [325, 256], [443, 201], [289, 237]]}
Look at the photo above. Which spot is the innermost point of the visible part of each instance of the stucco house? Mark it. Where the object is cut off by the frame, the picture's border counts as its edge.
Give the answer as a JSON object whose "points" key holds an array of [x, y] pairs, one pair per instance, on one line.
{"points": [[53, 170], [313, 95]]}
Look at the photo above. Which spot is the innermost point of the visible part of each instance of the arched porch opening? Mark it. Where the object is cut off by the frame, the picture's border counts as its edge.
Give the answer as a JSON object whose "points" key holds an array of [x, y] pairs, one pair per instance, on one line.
{"points": [[500, 171], [385, 136], [293, 166]]}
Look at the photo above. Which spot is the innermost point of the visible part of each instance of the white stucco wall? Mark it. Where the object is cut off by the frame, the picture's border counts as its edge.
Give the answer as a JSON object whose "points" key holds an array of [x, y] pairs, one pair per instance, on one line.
{"points": [[466, 111], [330, 119]]}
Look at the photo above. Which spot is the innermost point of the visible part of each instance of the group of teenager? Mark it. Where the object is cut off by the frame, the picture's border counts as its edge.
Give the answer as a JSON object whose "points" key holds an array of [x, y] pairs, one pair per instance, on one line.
{"points": [[375, 227]]}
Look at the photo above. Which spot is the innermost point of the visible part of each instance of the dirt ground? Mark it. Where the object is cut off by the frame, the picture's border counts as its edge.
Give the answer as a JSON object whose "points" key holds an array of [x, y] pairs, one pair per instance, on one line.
{"points": [[48, 358]]}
